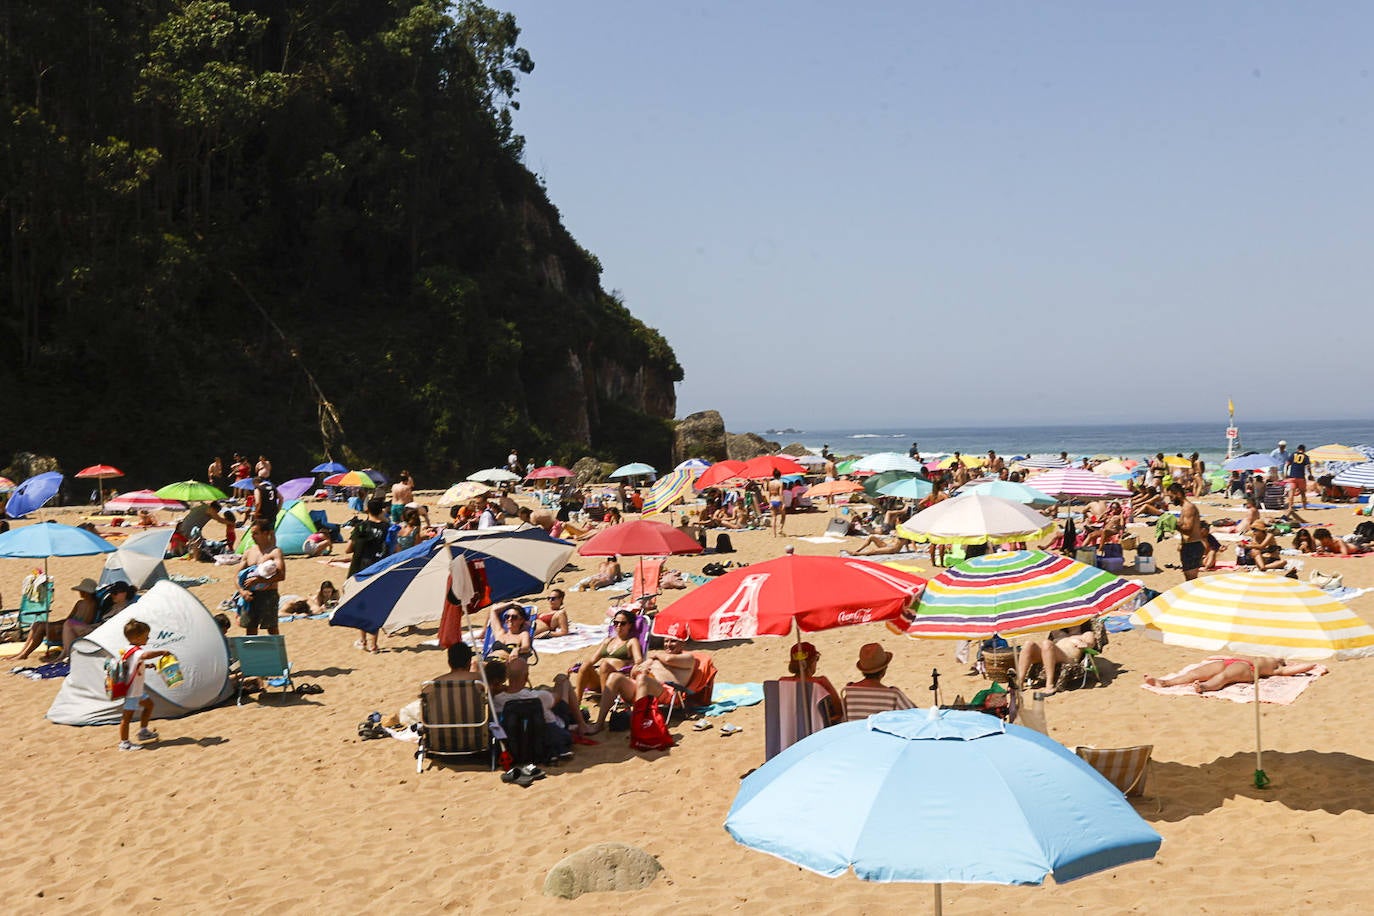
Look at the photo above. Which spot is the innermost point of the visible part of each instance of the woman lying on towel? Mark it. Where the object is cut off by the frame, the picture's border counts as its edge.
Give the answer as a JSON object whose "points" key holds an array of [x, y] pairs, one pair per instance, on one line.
{"points": [[608, 573], [1220, 672]]}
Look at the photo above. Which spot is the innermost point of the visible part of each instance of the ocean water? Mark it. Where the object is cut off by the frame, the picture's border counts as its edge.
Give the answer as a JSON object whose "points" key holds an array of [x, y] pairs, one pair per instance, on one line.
{"points": [[1135, 440]]}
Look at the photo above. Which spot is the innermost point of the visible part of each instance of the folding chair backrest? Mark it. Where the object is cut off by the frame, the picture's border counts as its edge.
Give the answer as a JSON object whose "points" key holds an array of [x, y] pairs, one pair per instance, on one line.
{"points": [[647, 573], [862, 702], [35, 610], [1124, 767], [1275, 496], [261, 656], [455, 715], [838, 527], [785, 723], [642, 626], [489, 638]]}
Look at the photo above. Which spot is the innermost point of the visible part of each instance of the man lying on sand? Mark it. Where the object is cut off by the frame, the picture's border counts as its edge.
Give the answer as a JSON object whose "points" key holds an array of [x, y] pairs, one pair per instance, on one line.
{"points": [[1220, 672]]}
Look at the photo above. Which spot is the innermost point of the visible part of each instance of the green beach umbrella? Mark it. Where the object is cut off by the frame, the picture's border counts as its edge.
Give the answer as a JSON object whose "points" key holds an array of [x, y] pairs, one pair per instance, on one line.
{"points": [[190, 491], [876, 482]]}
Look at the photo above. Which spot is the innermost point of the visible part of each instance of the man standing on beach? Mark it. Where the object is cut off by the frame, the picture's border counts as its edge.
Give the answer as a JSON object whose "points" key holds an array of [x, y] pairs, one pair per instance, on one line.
{"points": [[264, 597], [774, 494], [1190, 529], [1157, 472], [1299, 471], [402, 492]]}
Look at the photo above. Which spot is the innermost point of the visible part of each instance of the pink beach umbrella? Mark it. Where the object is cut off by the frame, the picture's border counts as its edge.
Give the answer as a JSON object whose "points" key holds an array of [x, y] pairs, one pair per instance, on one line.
{"points": [[1062, 482], [142, 499]]}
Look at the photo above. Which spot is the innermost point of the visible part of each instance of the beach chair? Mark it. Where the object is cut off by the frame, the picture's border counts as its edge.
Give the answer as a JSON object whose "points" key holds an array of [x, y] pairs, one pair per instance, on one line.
{"points": [[35, 604], [788, 720], [697, 691], [862, 702], [648, 572], [455, 721], [264, 657], [1275, 495], [838, 527], [321, 519], [1127, 768]]}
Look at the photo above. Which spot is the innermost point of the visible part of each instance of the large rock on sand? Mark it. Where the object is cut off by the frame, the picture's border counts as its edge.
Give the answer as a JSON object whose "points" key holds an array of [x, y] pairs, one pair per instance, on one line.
{"points": [[743, 446], [700, 435], [794, 448], [589, 470], [603, 867]]}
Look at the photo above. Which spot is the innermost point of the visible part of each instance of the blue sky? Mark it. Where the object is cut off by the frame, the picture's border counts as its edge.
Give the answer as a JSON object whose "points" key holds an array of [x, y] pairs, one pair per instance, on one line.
{"points": [[964, 214]]}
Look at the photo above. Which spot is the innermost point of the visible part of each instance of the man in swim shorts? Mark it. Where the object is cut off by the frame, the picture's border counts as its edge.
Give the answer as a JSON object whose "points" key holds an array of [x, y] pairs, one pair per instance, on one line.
{"points": [[1190, 529]]}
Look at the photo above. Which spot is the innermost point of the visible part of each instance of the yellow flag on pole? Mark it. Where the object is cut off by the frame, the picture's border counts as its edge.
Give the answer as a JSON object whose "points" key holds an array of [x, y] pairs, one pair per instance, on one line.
{"points": [[1230, 407]]}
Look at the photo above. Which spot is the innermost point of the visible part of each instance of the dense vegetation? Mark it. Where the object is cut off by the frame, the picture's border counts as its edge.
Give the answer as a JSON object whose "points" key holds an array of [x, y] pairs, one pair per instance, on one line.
{"points": [[300, 228]]}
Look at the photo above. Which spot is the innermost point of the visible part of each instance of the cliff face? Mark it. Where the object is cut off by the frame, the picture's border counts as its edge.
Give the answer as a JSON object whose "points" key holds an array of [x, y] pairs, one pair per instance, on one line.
{"points": [[343, 256]]}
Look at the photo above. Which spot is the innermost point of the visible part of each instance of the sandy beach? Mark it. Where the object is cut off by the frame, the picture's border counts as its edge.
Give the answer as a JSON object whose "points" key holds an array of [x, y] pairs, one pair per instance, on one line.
{"points": [[278, 804]]}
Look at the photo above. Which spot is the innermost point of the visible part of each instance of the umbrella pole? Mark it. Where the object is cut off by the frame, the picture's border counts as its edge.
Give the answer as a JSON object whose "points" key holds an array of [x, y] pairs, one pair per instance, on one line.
{"points": [[803, 724], [1261, 778], [939, 903]]}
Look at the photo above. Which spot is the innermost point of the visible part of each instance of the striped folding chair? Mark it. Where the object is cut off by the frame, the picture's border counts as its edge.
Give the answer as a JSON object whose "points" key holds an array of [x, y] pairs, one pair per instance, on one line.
{"points": [[455, 721], [1124, 767]]}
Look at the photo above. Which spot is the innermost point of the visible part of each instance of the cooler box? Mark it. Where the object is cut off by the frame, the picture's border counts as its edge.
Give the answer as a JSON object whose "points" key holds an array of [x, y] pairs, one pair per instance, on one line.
{"points": [[1145, 564], [1086, 555], [1110, 564]]}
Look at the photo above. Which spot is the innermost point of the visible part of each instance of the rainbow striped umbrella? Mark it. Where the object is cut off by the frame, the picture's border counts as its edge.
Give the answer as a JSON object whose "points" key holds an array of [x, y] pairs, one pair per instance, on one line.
{"points": [[1076, 482], [668, 490], [1009, 594], [351, 479], [1257, 614]]}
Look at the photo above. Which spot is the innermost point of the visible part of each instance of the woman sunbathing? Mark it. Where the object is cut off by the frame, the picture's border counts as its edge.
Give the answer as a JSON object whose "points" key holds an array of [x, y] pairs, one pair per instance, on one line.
{"points": [[615, 652], [1059, 648], [608, 573], [553, 622], [1302, 541], [510, 631], [1218, 673], [877, 545]]}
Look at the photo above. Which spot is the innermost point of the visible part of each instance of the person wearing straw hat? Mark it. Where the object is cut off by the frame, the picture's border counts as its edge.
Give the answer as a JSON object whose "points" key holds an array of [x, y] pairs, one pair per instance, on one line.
{"points": [[79, 622], [872, 664], [1264, 548]]}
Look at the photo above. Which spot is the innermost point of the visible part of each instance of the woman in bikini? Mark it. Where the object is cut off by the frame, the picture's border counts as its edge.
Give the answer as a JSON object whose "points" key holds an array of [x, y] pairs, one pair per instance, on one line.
{"points": [[553, 622], [325, 598], [1219, 672], [510, 631], [615, 652], [1059, 648]]}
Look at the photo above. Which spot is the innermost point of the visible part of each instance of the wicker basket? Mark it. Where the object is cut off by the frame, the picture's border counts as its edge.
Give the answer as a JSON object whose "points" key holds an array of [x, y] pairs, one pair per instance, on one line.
{"points": [[998, 662]]}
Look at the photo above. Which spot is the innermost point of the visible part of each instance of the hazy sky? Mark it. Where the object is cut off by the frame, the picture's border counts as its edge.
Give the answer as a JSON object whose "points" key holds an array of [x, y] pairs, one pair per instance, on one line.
{"points": [[935, 214]]}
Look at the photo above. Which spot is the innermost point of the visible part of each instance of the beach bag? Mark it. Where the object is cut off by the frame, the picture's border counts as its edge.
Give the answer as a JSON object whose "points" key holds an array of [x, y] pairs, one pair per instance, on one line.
{"points": [[523, 721], [713, 569], [1365, 530], [723, 544], [648, 729], [119, 674]]}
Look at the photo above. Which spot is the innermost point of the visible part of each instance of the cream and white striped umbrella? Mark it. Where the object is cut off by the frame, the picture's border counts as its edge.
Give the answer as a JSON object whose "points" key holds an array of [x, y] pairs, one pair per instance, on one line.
{"points": [[1257, 614], [1336, 452]]}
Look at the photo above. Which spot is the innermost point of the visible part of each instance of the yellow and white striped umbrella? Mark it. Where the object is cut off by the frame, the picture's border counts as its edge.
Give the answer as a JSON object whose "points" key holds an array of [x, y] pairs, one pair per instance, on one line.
{"points": [[1257, 614], [1336, 452]]}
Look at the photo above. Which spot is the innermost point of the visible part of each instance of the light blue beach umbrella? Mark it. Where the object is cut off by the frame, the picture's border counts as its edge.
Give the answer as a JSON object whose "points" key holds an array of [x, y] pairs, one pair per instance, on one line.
{"points": [[51, 539], [937, 796], [1015, 492], [33, 493], [887, 461], [1255, 462], [908, 488], [634, 469]]}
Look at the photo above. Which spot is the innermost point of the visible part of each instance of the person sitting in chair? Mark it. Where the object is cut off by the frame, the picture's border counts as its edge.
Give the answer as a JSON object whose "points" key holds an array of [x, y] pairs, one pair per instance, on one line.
{"points": [[872, 664], [1060, 647], [1264, 549], [803, 657], [510, 630], [614, 653]]}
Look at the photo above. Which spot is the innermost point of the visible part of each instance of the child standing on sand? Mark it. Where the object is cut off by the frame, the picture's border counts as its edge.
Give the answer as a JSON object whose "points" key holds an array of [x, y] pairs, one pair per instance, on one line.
{"points": [[136, 657]]}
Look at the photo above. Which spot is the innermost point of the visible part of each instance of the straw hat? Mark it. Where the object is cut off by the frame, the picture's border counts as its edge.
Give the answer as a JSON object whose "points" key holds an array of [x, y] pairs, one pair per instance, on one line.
{"points": [[1259, 523], [86, 586], [872, 658]]}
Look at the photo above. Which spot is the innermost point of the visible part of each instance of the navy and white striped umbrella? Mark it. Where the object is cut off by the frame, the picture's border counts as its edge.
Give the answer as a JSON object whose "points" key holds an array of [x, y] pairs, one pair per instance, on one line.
{"points": [[1359, 475]]}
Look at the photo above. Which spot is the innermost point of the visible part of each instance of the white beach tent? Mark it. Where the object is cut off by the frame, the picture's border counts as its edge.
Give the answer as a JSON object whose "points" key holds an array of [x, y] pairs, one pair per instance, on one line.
{"points": [[138, 560], [181, 625]]}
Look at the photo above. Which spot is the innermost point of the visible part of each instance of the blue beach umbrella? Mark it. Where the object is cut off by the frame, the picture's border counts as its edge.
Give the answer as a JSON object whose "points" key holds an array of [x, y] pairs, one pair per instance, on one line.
{"points": [[938, 796], [296, 487], [33, 493], [244, 484], [908, 488], [1016, 492], [51, 539], [329, 467], [634, 469], [1255, 462]]}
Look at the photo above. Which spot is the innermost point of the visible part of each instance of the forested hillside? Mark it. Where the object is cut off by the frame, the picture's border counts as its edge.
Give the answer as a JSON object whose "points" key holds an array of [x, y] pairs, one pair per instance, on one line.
{"points": [[295, 228]]}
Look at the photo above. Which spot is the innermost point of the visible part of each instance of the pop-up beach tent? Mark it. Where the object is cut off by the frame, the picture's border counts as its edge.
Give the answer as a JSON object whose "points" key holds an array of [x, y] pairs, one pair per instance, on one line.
{"points": [[138, 560], [181, 625], [293, 526]]}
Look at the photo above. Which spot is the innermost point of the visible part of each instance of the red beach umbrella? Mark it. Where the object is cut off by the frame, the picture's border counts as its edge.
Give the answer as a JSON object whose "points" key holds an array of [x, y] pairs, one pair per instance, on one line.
{"points": [[806, 592], [718, 474], [765, 465], [100, 472], [552, 472], [639, 538]]}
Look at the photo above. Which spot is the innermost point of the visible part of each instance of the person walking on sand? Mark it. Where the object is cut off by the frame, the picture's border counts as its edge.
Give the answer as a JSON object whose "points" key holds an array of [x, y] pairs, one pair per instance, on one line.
{"points": [[775, 502], [135, 658], [1190, 529], [1299, 471]]}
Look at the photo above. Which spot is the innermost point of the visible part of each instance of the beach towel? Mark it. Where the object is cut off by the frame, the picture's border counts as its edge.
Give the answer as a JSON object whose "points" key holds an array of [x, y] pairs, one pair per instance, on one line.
{"points": [[1119, 624], [1281, 691], [619, 585], [191, 581], [44, 672], [1346, 593], [729, 697], [580, 636], [822, 540]]}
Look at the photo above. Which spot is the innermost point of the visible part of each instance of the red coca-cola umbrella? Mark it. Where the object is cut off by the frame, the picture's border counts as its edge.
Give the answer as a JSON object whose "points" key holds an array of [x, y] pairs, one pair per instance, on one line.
{"points": [[765, 465], [639, 538], [717, 474], [780, 597]]}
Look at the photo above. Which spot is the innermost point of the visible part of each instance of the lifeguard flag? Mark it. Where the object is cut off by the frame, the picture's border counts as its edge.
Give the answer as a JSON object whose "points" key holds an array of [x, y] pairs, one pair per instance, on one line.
{"points": [[1230, 407]]}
